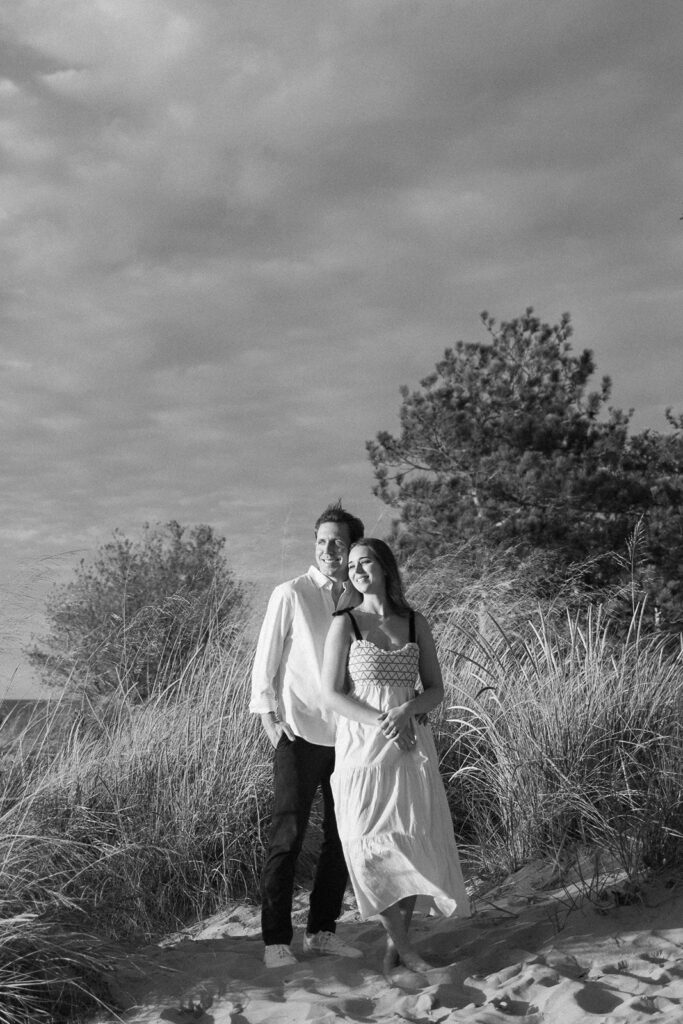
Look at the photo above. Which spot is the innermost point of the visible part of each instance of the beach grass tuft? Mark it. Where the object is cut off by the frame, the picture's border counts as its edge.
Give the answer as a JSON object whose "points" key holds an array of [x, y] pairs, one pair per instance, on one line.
{"points": [[564, 740]]}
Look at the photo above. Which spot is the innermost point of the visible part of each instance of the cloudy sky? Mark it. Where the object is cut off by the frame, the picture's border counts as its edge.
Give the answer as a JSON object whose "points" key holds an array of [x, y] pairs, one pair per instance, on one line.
{"points": [[231, 229]]}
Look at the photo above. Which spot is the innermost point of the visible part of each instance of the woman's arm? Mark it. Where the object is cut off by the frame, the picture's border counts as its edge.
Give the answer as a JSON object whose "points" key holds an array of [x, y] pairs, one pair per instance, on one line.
{"points": [[430, 677], [334, 675]]}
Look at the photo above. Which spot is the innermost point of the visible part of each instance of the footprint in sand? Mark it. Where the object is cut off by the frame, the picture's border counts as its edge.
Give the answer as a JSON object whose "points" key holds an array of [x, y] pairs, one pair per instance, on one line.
{"points": [[194, 1003], [410, 1007], [357, 1009], [565, 963], [514, 1007], [196, 1000], [572, 1002]]}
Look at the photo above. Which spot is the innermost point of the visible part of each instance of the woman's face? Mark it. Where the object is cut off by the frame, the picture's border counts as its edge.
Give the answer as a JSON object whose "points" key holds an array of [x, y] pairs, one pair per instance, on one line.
{"points": [[365, 572]]}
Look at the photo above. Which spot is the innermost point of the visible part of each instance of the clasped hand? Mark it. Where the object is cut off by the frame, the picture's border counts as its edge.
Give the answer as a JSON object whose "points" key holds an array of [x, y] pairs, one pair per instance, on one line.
{"points": [[397, 724]]}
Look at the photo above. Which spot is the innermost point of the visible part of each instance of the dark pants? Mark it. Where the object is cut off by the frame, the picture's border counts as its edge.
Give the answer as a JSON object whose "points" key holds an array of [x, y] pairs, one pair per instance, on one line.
{"points": [[300, 768]]}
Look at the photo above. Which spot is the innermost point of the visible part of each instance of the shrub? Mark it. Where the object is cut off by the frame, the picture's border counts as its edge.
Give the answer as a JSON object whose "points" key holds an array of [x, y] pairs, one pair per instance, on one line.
{"points": [[139, 611]]}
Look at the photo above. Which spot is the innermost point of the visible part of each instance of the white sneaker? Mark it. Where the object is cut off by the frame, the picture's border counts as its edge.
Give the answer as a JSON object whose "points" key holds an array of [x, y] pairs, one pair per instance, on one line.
{"points": [[328, 944], [279, 955]]}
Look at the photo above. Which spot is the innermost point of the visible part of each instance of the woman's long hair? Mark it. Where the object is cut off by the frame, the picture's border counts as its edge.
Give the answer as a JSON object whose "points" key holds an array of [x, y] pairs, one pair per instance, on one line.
{"points": [[392, 576]]}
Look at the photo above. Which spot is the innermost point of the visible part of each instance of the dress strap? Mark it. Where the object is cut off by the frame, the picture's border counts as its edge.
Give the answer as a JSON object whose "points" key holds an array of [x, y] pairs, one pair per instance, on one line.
{"points": [[347, 611], [411, 626]]}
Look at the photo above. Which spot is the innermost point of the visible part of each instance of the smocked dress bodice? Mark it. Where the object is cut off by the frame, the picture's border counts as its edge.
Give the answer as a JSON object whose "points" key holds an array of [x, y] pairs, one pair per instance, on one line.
{"points": [[382, 679]]}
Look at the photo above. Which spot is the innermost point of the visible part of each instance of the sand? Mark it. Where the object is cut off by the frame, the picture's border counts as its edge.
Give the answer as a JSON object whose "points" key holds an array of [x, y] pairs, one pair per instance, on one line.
{"points": [[529, 951]]}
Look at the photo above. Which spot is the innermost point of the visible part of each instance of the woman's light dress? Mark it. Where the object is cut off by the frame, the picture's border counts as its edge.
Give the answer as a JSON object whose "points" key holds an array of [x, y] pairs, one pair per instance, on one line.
{"points": [[391, 807]]}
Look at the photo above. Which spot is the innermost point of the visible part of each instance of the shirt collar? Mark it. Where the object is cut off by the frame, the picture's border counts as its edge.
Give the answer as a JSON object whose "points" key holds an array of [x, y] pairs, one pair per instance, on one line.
{"points": [[324, 582]]}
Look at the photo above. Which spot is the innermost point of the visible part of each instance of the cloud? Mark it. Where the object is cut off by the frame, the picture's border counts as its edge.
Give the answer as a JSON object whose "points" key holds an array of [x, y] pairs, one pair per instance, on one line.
{"points": [[230, 232]]}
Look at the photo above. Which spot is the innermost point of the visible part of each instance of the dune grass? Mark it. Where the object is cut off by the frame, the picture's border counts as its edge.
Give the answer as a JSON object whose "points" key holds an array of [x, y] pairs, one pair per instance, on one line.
{"points": [[554, 737], [143, 818], [559, 740]]}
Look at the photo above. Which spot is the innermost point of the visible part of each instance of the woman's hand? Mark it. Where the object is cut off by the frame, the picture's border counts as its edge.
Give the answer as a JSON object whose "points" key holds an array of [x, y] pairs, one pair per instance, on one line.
{"points": [[397, 724], [395, 719], [406, 740]]}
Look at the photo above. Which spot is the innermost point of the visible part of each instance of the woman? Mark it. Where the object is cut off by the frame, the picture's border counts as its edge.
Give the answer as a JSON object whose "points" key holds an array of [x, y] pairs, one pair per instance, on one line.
{"points": [[391, 807]]}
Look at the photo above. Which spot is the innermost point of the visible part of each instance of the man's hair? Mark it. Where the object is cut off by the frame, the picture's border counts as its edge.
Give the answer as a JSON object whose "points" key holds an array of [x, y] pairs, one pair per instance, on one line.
{"points": [[336, 514]]}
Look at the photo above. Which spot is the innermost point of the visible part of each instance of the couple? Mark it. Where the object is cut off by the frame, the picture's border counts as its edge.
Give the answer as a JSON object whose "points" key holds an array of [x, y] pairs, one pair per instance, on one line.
{"points": [[336, 664]]}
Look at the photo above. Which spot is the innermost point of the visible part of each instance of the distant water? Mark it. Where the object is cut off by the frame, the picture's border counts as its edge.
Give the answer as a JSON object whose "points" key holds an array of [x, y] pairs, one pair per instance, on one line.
{"points": [[23, 590], [17, 679]]}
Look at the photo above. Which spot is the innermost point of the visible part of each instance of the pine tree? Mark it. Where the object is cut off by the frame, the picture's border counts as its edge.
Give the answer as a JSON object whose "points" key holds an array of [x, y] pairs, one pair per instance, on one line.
{"points": [[504, 446]]}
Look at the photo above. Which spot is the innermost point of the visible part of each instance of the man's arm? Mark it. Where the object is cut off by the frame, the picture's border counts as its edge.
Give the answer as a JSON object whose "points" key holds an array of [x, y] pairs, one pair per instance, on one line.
{"points": [[267, 661]]}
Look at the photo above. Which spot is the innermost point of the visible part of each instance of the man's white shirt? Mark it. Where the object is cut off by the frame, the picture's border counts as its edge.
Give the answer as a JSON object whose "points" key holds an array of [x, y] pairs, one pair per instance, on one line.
{"points": [[289, 654]]}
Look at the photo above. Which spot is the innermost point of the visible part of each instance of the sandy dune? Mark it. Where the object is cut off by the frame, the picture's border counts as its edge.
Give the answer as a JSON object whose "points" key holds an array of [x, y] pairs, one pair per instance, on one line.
{"points": [[526, 953]]}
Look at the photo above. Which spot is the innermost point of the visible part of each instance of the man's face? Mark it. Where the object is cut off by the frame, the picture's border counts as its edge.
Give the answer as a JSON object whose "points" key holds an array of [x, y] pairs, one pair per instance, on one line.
{"points": [[332, 550]]}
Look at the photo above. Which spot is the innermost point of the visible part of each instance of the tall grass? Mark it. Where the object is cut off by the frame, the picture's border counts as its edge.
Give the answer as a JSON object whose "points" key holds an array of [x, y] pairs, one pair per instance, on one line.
{"points": [[144, 816], [558, 737]]}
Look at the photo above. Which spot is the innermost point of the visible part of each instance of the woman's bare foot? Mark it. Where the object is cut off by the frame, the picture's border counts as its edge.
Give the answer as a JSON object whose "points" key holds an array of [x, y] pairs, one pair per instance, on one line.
{"points": [[414, 962], [391, 957]]}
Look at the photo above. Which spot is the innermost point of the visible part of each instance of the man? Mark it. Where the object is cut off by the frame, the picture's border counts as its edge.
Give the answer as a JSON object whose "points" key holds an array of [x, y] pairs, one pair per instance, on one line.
{"points": [[286, 693]]}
